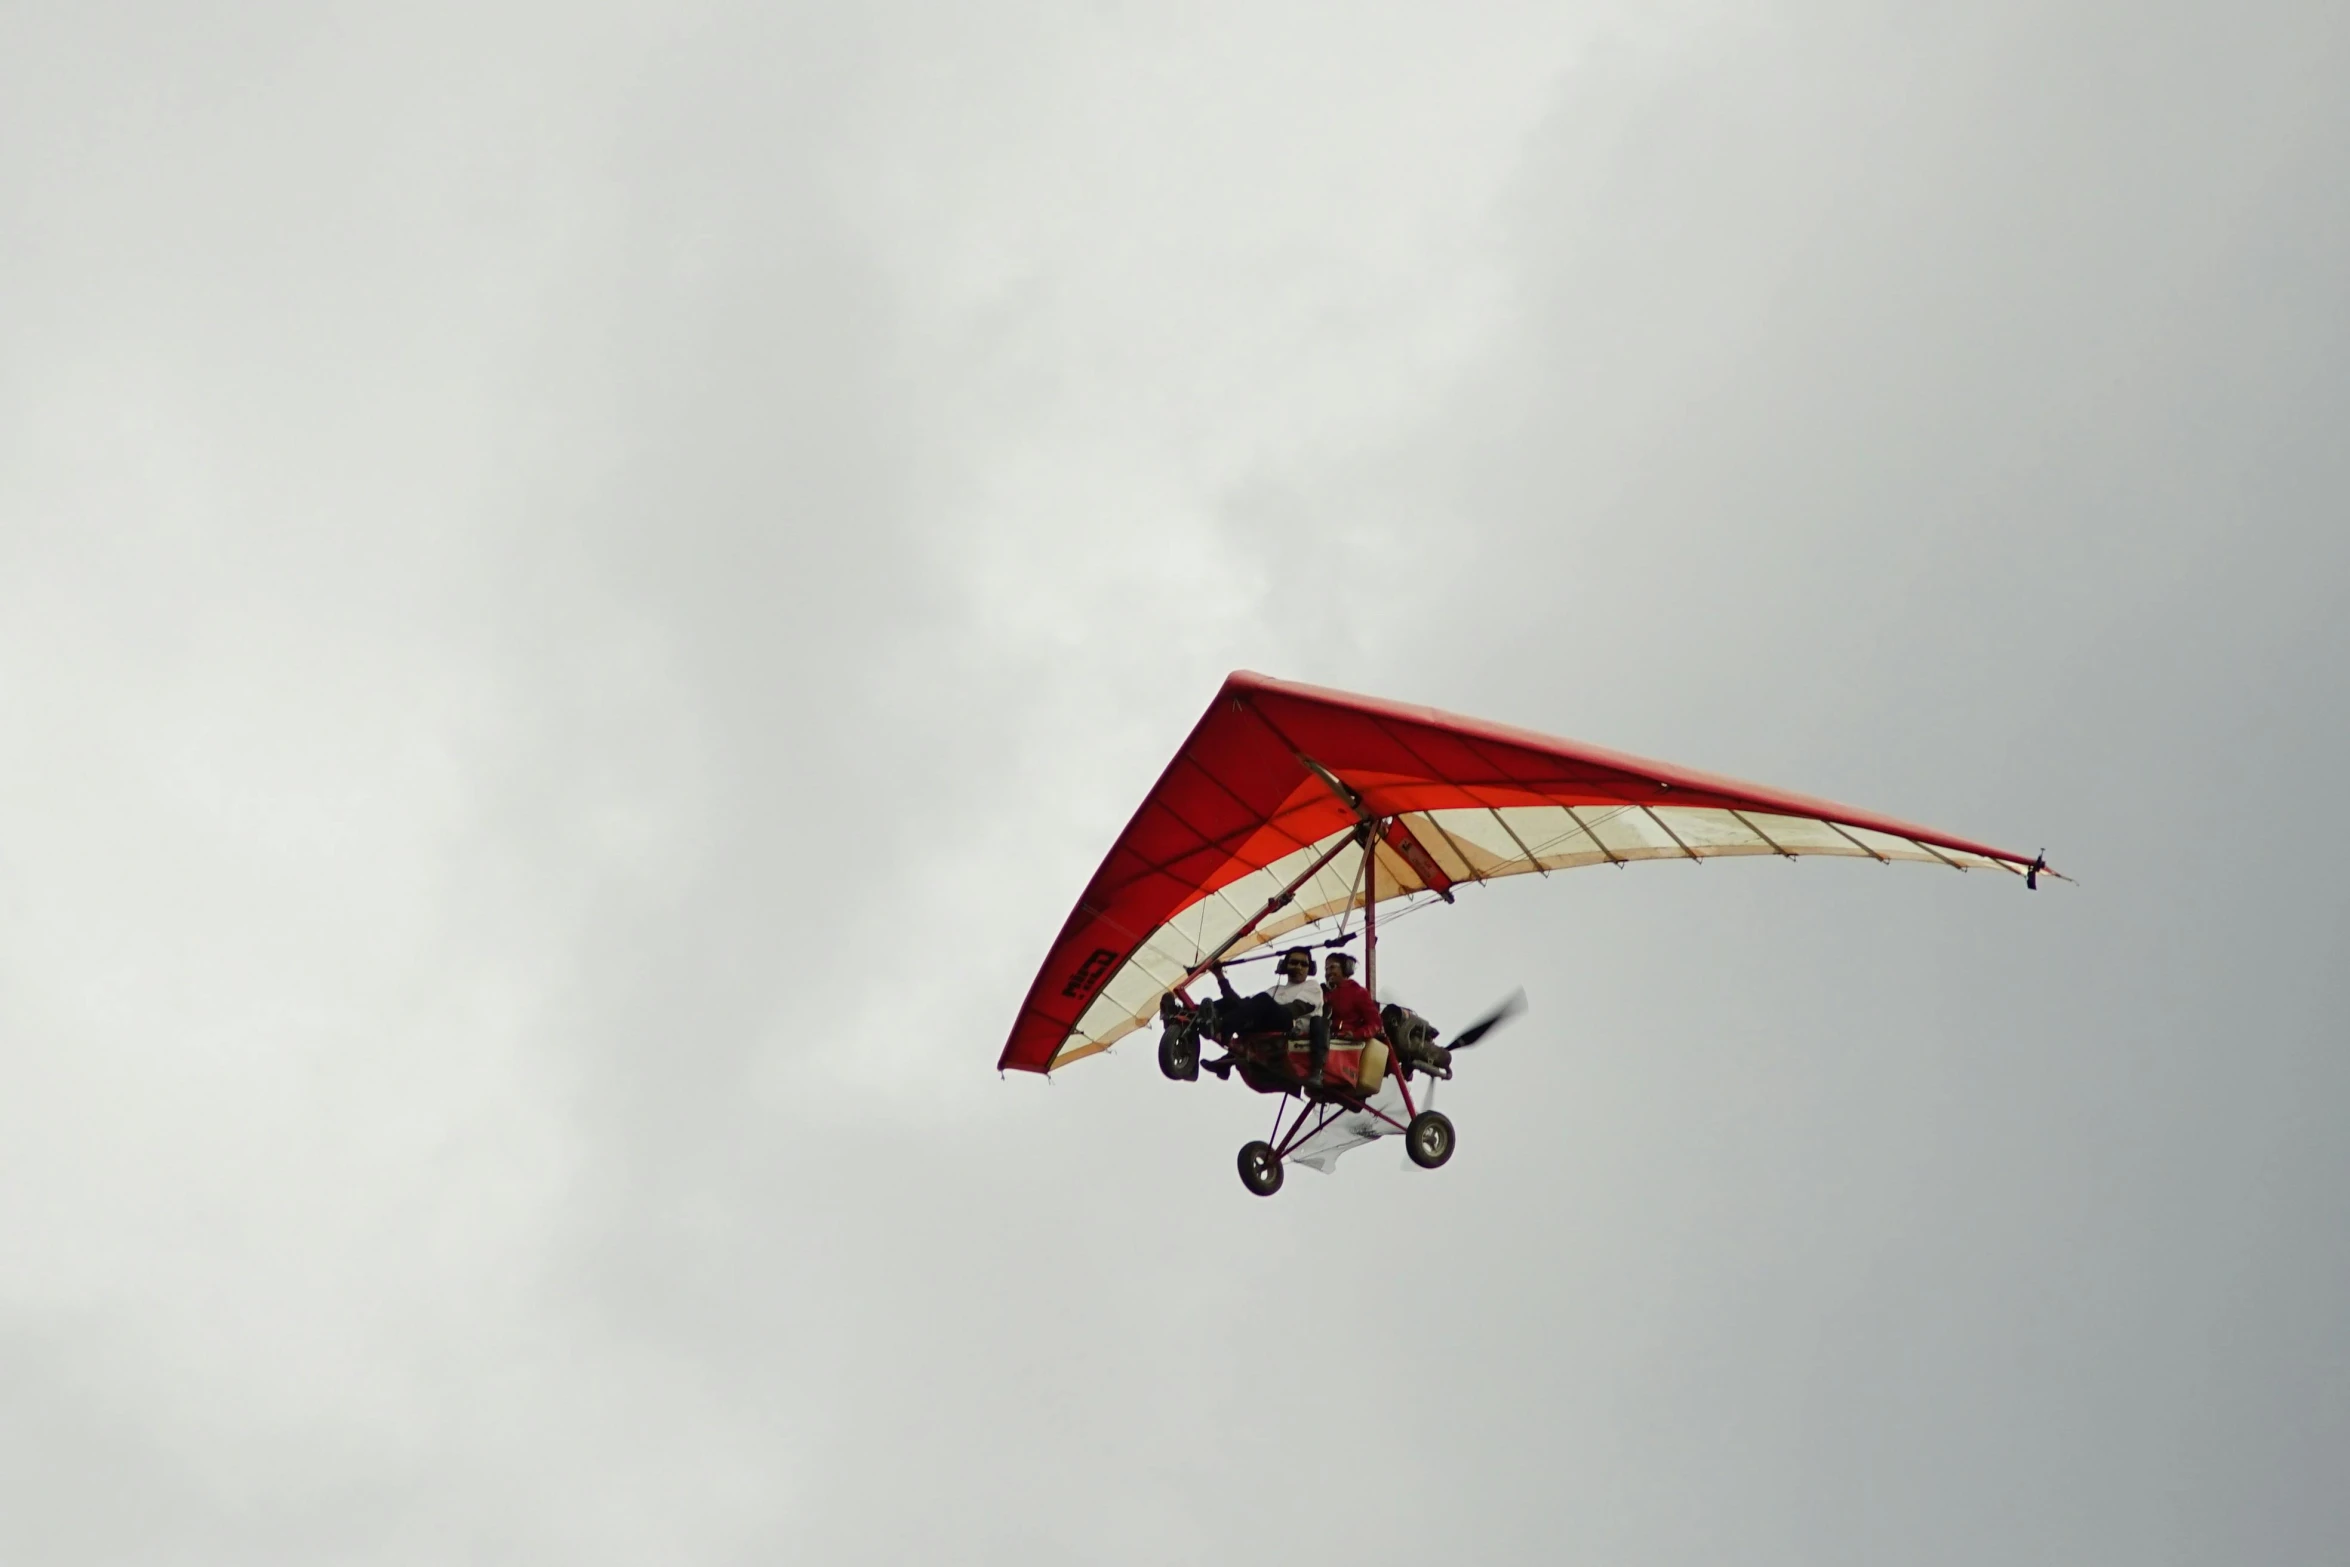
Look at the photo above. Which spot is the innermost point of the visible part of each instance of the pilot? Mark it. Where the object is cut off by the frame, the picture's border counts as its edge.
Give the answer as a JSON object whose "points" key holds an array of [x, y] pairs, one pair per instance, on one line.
{"points": [[1348, 1005], [1293, 998]]}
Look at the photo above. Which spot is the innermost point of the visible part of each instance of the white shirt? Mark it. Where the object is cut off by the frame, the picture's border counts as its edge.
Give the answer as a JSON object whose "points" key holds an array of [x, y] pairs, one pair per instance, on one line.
{"points": [[1308, 991]]}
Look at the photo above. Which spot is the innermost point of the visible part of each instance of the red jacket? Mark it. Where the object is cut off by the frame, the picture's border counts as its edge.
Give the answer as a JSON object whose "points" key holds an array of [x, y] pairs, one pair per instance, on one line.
{"points": [[1351, 1010]]}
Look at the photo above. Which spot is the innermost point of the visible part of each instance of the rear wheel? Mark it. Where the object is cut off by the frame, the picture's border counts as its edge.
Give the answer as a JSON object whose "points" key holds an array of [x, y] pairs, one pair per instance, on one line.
{"points": [[1428, 1139], [1260, 1169], [1179, 1054]]}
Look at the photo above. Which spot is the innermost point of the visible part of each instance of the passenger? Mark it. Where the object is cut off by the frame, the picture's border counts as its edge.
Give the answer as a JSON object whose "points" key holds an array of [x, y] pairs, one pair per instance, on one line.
{"points": [[1293, 999], [1349, 1006]]}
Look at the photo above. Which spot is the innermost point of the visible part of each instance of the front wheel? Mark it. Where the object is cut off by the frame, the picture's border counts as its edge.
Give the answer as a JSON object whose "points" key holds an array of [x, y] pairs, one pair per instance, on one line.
{"points": [[1260, 1169], [1428, 1139], [1179, 1054]]}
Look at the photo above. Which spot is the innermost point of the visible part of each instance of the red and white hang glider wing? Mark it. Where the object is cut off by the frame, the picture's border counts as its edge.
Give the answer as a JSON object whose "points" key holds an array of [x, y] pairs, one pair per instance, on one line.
{"points": [[1259, 792]]}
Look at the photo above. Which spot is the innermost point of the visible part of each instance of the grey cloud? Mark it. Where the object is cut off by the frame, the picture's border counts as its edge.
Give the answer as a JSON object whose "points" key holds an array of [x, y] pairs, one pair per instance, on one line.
{"points": [[580, 598]]}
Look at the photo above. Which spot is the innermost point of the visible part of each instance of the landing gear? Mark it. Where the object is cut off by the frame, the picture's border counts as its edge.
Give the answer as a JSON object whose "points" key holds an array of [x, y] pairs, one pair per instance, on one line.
{"points": [[1260, 1169], [1428, 1139]]}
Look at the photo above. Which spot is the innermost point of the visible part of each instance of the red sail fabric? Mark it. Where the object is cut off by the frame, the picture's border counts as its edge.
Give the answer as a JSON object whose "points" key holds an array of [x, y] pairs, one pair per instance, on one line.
{"points": [[1276, 775]]}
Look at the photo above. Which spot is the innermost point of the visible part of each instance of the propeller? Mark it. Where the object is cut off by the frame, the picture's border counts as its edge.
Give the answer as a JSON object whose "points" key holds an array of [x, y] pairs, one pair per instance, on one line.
{"points": [[1511, 1006]]}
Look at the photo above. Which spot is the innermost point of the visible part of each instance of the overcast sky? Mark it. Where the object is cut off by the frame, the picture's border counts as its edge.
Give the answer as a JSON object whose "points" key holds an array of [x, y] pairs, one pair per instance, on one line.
{"points": [[581, 588]]}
